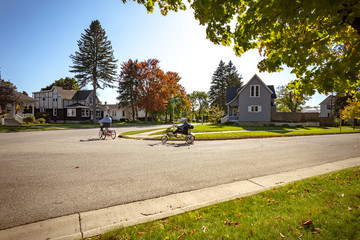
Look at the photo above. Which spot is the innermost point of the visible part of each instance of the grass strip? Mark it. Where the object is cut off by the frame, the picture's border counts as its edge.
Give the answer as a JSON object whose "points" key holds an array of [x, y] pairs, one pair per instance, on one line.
{"points": [[270, 133], [136, 132], [322, 207]]}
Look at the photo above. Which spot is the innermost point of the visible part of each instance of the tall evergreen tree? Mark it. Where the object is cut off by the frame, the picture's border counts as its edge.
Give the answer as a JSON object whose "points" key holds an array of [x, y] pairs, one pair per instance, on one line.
{"points": [[224, 76], [129, 83], [94, 63], [233, 78]]}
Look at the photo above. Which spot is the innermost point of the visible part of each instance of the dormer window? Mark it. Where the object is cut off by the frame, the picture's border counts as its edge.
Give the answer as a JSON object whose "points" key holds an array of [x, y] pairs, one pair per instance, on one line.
{"points": [[255, 91]]}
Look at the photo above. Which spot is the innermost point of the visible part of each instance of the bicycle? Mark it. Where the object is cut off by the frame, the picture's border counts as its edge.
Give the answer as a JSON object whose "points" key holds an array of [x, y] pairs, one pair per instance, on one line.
{"points": [[186, 133], [106, 132]]}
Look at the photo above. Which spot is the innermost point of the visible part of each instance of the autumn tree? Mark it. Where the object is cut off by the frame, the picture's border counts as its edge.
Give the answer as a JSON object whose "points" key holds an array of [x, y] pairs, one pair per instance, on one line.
{"points": [[66, 83], [288, 100], [223, 77], [129, 83], [7, 93], [94, 63], [318, 40], [352, 110]]}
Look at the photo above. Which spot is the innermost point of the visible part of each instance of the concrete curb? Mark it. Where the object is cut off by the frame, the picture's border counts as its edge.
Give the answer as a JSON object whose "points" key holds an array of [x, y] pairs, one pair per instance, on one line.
{"points": [[234, 138], [96, 222]]}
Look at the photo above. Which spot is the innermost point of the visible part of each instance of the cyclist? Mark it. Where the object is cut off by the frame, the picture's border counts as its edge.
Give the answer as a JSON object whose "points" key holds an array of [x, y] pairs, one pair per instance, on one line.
{"points": [[105, 122], [182, 128]]}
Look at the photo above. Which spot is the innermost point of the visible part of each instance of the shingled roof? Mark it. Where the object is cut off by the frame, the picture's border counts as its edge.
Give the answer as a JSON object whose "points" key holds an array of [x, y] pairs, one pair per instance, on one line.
{"points": [[65, 94], [81, 95]]}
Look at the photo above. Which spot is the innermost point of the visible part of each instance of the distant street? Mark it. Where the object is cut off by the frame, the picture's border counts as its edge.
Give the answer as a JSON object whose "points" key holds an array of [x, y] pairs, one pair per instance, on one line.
{"points": [[47, 174]]}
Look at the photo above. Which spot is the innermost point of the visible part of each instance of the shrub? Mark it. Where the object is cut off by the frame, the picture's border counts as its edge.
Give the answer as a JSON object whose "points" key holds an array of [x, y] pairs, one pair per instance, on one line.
{"points": [[40, 121], [285, 125], [29, 119]]}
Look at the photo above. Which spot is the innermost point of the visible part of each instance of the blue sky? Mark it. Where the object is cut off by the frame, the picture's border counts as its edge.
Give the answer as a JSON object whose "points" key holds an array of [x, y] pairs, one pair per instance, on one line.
{"points": [[38, 36]]}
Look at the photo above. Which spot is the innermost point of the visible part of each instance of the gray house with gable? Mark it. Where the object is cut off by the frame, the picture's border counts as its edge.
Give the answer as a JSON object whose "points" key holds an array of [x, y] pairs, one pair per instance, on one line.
{"points": [[251, 103]]}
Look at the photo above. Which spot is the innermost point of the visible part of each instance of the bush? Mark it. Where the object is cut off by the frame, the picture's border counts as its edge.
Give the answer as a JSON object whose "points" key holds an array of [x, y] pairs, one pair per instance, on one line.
{"points": [[285, 125], [29, 119], [40, 121], [44, 115]]}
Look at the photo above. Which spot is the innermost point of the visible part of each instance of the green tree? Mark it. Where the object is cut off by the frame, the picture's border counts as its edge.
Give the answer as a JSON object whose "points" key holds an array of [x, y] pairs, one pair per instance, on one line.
{"points": [[223, 77], [215, 114], [352, 110], [289, 101], [94, 63], [66, 83], [199, 103], [129, 83], [318, 40]]}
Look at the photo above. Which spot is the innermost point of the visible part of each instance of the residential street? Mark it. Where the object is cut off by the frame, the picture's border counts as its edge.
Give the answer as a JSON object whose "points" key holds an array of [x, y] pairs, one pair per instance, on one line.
{"points": [[46, 174]]}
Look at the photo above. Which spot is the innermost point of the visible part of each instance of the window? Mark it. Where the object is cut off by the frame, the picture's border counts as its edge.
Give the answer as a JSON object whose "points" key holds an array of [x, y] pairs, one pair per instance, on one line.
{"points": [[71, 112], [113, 113], [43, 97], [42, 109], [235, 111], [123, 112], [54, 111], [55, 97], [255, 91], [98, 113], [254, 108], [85, 112]]}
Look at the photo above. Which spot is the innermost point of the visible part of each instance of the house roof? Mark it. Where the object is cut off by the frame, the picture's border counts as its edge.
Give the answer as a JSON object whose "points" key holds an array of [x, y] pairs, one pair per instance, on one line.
{"points": [[233, 92], [65, 94], [77, 105], [81, 95], [24, 98], [326, 100]]}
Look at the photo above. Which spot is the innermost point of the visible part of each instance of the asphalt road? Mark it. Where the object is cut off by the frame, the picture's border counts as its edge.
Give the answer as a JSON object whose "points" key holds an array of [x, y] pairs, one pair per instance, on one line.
{"points": [[48, 174]]}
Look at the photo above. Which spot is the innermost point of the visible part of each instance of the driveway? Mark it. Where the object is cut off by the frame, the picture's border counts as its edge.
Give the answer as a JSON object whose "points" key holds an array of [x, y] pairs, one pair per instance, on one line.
{"points": [[47, 174]]}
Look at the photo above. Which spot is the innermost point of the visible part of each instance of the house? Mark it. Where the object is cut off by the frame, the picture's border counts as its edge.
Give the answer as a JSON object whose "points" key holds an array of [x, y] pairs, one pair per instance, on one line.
{"points": [[66, 105], [250, 104], [121, 113], [20, 107], [326, 106]]}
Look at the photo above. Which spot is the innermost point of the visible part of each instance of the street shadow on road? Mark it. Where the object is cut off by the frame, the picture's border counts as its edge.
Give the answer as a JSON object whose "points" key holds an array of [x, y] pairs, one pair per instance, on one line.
{"points": [[91, 139], [171, 144]]}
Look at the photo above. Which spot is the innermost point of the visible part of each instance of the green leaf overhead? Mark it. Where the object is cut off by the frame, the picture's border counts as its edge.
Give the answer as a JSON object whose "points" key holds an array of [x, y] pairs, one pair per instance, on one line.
{"points": [[318, 40]]}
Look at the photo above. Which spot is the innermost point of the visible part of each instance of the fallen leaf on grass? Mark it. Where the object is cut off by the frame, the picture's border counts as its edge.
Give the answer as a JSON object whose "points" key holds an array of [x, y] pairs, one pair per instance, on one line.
{"points": [[140, 233], [239, 214], [203, 229], [307, 222], [282, 235], [251, 232]]}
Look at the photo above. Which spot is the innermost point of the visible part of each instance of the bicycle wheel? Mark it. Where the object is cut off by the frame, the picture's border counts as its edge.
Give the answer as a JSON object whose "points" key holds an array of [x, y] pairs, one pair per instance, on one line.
{"points": [[164, 139], [113, 134], [103, 135], [190, 139], [101, 132]]}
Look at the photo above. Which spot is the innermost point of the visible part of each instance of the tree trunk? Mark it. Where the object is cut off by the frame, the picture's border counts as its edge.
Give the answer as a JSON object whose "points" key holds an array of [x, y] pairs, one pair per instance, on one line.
{"points": [[94, 120]]}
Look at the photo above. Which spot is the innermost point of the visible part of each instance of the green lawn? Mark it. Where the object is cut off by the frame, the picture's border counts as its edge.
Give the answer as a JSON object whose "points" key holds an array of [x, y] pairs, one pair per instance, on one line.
{"points": [[258, 131], [323, 207], [54, 126]]}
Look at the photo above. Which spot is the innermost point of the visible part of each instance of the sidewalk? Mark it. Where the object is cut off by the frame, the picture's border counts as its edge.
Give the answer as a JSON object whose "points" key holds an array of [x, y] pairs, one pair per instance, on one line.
{"points": [[87, 224]]}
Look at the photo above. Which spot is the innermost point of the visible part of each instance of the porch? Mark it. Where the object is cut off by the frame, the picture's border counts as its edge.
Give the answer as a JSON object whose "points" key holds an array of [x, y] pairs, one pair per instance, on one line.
{"points": [[15, 112]]}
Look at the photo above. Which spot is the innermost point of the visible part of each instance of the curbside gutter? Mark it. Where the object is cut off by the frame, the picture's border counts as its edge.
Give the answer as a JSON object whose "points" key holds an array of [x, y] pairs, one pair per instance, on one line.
{"points": [[92, 223]]}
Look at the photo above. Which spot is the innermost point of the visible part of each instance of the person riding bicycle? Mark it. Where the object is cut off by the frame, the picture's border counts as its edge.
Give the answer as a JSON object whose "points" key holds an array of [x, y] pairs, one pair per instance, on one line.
{"points": [[105, 122], [182, 128]]}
